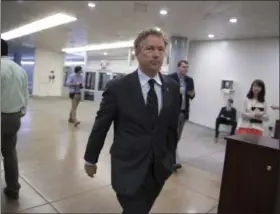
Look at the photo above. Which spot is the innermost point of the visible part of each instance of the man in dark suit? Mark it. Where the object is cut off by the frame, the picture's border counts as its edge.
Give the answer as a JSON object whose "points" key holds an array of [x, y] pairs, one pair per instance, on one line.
{"points": [[186, 94], [144, 108], [226, 116]]}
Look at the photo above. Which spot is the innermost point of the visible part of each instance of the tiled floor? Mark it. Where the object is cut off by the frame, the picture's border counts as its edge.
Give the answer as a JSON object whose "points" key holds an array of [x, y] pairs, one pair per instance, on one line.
{"points": [[53, 180]]}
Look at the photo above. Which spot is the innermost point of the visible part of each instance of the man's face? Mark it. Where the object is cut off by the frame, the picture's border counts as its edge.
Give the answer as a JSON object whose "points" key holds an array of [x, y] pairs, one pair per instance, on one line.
{"points": [[183, 69], [151, 53], [229, 103]]}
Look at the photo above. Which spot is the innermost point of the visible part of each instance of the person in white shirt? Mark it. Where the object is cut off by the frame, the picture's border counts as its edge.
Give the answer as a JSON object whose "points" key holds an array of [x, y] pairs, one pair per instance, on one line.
{"points": [[255, 111], [14, 98]]}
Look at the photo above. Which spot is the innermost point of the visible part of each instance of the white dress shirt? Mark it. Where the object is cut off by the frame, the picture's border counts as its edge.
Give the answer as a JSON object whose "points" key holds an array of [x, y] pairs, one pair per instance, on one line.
{"points": [[144, 82], [183, 87]]}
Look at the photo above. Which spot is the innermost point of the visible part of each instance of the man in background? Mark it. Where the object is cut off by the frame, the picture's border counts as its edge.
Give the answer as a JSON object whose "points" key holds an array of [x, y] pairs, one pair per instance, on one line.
{"points": [[75, 85], [186, 94], [14, 98], [226, 116]]}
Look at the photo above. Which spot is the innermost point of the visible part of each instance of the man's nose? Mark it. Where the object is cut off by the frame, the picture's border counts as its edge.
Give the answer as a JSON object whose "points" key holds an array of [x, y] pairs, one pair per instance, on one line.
{"points": [[156, 54]]}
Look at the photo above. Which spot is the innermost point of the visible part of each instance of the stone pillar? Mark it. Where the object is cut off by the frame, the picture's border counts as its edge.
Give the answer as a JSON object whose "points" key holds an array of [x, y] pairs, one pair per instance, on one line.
{"points": [[130, 56], [45, 62], [178, 50]]}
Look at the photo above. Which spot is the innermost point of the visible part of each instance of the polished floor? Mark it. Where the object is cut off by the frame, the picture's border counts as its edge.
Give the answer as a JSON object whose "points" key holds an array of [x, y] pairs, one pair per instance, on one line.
{"points": [[53, 180]]}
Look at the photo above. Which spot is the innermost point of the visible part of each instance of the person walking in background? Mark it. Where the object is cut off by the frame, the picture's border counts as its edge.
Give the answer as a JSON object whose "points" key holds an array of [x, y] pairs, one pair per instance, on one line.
{"points": [[187, 93], [226, 116], [14, 99], [75, 85], [255, 111], [144, 107]]}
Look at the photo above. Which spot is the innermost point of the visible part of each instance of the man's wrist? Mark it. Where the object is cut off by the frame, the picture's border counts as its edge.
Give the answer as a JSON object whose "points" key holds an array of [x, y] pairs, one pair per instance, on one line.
{"points": [[89, 163]]}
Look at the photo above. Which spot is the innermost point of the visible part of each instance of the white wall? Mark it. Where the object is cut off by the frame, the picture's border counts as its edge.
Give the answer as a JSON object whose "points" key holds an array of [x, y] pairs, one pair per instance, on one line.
{"points": [[46, 61], [239, 60]]}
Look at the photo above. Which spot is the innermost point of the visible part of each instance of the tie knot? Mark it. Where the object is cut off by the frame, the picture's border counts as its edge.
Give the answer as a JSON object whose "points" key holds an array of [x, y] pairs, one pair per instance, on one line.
{"points": [[152, 83]]}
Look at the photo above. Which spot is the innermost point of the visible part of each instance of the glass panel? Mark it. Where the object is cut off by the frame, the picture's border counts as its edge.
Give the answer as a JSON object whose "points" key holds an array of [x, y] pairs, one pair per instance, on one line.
{"points": [[90, 80], [29, 70], [104, 78]]}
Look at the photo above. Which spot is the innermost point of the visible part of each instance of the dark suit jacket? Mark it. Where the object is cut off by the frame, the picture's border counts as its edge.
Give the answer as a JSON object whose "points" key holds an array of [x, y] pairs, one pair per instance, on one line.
{"points": [[231, 113], [190, 87], [137, 143]]}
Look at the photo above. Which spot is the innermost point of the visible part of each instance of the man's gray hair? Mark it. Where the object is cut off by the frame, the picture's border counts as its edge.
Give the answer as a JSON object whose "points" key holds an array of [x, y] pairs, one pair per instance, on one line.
{"points": [[144, 34]]}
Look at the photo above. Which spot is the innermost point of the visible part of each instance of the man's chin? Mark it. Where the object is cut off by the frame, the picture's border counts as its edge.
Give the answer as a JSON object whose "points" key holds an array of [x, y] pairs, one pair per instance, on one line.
{"points": [[155, 68]]}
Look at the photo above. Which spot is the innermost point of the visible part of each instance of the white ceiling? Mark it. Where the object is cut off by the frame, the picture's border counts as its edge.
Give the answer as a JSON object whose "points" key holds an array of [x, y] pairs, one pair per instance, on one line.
{"points": [[121, 20]]}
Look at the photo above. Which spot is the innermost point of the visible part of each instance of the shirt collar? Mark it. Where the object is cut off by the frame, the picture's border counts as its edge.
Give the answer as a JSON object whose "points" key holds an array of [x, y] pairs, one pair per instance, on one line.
{"points": [[181, 76], [145, 78]]}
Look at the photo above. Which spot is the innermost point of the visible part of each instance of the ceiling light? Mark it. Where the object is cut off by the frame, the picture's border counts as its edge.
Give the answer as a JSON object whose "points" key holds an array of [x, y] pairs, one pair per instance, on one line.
{"points": [[233, 20], [211, 36], [96, 47], [91, 4], [39, 25], [163, 12], [133, 52], [105, 53], [158, 29], [67, 63]]}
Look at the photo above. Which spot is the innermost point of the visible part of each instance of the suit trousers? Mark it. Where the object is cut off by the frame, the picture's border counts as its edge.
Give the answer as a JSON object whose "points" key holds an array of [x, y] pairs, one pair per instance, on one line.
{"points": [[181, 123], [143, 200], [10, 124]]}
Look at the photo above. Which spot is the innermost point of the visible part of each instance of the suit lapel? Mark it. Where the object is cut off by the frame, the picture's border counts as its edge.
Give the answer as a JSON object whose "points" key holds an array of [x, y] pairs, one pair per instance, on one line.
{"points": [[177, 77]]}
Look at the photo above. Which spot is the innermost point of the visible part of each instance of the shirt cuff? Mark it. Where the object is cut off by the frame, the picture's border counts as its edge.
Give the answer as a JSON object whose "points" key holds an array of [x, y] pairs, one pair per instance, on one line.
{"points": [[88, 163]]}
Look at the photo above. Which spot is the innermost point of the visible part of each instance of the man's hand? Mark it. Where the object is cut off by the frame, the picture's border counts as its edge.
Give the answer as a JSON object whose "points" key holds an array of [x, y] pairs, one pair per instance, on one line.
{"points": [[275, 107], [191, 93], [90, 169]]}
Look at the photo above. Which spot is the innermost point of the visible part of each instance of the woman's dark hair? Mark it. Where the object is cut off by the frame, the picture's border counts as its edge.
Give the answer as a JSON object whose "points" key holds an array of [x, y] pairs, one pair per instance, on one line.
{"points": [[261, 95]]}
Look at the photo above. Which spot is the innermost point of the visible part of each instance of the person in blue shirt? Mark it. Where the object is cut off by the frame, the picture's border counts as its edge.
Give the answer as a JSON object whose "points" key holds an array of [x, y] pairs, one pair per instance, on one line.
{"points": [[75, 85]]}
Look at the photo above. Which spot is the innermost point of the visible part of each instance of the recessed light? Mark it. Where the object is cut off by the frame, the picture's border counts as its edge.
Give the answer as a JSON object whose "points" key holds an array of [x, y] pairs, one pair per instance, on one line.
{"points": [[233, 20], [104, 46], [163, 12], [105, 53], [91, 4], [211, 36], [38, 25], [157, 28]]}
